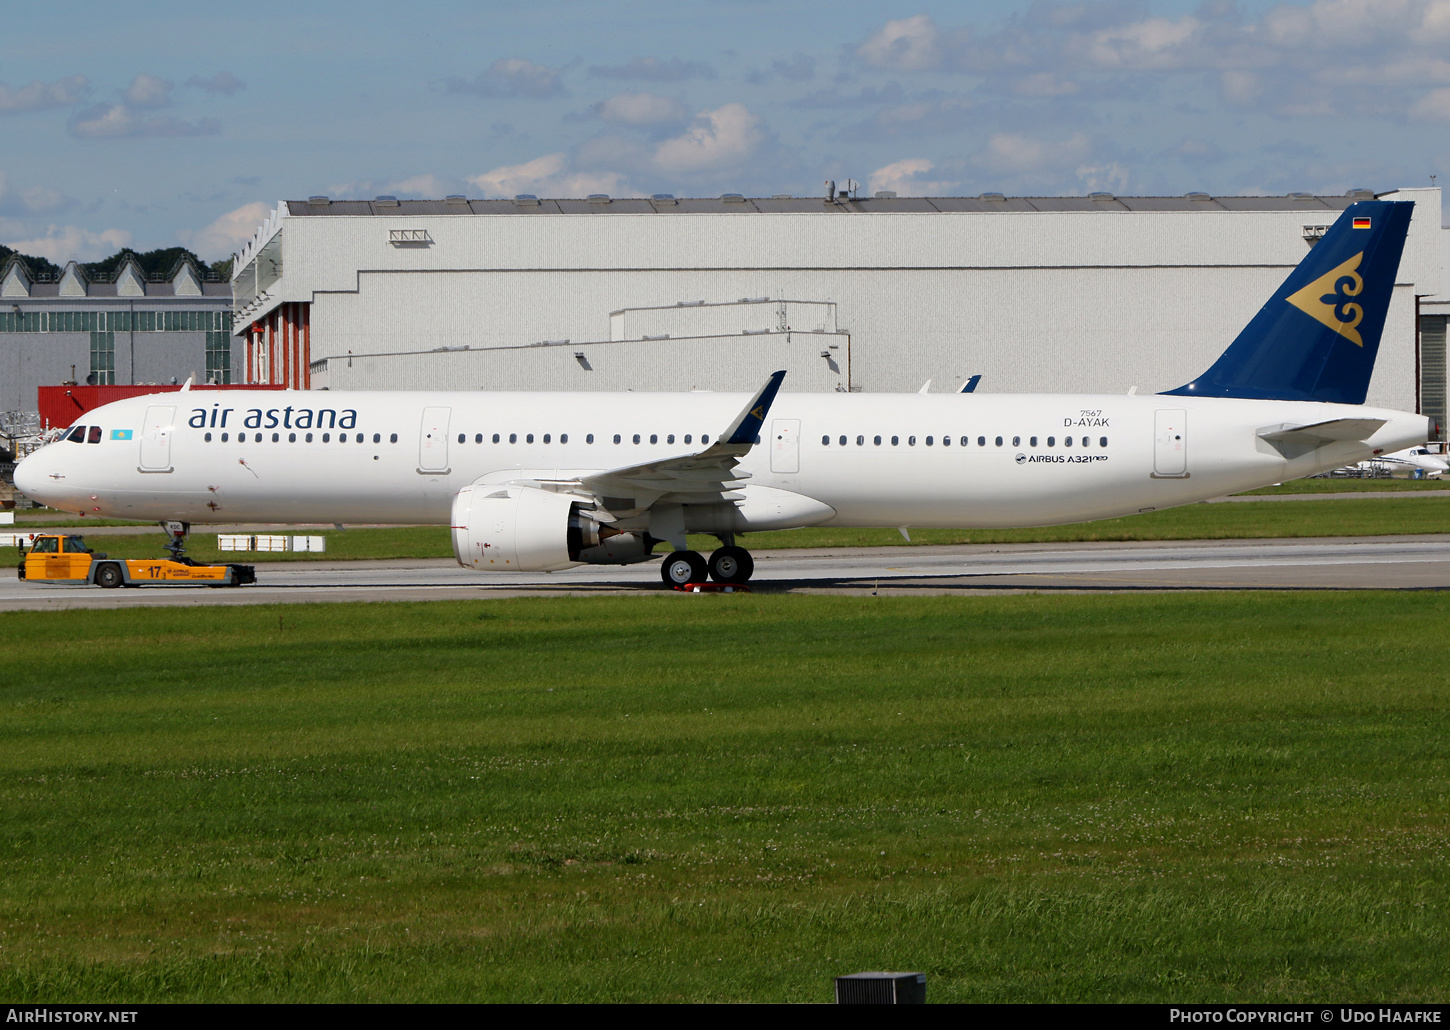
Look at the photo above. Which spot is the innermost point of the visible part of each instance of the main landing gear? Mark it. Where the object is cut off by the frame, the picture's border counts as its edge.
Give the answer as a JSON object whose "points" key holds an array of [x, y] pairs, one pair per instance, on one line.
{"points": [[728, 564]]}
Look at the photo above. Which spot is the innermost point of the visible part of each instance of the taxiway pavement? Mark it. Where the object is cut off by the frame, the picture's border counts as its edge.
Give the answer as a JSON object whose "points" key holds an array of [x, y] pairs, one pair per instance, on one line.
{"points": [[1394, 563]]}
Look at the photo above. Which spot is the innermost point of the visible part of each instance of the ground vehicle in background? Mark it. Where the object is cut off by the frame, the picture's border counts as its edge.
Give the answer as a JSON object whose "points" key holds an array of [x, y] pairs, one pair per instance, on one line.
{"points": [[65, 558]]}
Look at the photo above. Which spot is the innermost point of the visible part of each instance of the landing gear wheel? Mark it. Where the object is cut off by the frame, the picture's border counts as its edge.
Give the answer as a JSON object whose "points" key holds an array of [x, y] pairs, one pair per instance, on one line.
{"points": [[731, 565], [108, 576], [683, 567]]}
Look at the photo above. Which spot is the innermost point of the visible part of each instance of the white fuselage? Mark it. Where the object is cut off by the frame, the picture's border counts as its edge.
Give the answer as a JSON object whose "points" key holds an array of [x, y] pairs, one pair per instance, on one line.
{"points": [[238, 456]]}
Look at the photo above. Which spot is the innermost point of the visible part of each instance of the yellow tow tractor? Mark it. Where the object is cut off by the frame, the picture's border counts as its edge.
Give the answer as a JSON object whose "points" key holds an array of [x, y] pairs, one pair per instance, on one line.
{"points": [[65, 558]]}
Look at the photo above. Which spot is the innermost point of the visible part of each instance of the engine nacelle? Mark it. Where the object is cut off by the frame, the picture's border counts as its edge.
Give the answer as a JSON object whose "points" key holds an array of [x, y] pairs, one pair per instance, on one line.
{"points": [[525, 529]]}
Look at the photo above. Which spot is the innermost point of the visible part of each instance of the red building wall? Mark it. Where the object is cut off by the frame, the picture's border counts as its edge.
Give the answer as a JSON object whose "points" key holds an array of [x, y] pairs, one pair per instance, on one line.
{"points": [[62, 405]]}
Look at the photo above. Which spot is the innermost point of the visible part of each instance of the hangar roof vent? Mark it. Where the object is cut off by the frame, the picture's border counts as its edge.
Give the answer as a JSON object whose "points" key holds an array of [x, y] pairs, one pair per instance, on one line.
{"points": [[1198, 196], [525, 200], [599, 198], [1360, 193], [1301, 196], [733, 198], [992, 198], [885, 194], [319, 201], [455, 198], [664, 199], [1101, 195], [386, 201]]}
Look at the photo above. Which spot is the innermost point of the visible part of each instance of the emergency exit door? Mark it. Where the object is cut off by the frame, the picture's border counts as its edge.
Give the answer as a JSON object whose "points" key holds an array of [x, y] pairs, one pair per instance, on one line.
{"points": [[785, 445], [433, 440], [1170, 442]]}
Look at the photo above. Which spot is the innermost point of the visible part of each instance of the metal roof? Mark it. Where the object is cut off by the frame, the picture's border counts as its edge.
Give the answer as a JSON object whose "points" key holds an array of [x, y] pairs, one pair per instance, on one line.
{"points": [[816, 205]]}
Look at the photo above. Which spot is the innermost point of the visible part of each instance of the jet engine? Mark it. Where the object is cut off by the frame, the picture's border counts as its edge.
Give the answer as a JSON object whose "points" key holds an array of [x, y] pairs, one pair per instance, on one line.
{"points": [[525, 529]]}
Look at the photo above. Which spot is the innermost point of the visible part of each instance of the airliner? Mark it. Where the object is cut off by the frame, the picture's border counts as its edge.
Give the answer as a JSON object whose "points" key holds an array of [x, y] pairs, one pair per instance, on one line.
{"points": [[545, 481]]}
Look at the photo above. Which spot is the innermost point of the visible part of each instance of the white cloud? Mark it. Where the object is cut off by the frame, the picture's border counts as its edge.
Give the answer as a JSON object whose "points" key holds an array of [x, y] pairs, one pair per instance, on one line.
{"points": [[118, 121], [1150, 43], [39, 96], [225, 235], [1045, 84], [512, 77], [427, 185], [224, 83], [1241, 88], [905, 178], [907, 44], [1014, 152], [652, 69], [640, 109], [38, 200], [148, 91], [548, 176], [720, 138], [70, 243], [1433, 106]]}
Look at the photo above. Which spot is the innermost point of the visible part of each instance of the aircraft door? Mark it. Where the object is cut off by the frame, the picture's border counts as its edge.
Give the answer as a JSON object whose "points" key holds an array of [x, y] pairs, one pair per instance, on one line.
{"points": [[1170, 443], [785, 445], [156, 438], [433, 440]]}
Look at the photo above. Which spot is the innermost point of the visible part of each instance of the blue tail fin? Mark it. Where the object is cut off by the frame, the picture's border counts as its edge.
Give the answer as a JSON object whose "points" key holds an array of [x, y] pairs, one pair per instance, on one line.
{"points": [[1317, 337]]}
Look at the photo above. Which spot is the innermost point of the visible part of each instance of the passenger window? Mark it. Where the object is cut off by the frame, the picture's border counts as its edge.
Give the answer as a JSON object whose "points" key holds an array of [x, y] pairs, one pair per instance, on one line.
{"points": [[291, 437], [224, 438], [687, 438], [636, 438], [895, 441], [1016, 441], [495, 437], [825, 441], [670, 438], [653, 438], [308, 438], [981, 441], [878, 440], [546, 437], [616, 438], [513, 438], [462, 438], [911, 441], [257, 438], [589, 438], [359, 438], [394, 438], [1032, 441], [705, 438], [999, 441], [860, 441], [327, 438], [1103, 442], [928, 441], [95, 436], [1067, 441], [208, 438], [1052, 441], [563, 437]]}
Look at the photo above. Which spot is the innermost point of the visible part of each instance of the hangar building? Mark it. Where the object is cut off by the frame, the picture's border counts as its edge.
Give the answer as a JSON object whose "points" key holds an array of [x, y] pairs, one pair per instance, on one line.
{"points": [[119, 329], [1035, 294]]}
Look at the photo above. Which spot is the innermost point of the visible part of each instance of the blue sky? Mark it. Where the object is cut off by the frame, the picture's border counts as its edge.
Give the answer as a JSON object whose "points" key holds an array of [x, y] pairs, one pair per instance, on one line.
{"points": [[155, 124]]}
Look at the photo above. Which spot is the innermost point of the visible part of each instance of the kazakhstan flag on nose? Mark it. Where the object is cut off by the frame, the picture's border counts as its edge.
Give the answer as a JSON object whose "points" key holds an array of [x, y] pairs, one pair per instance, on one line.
{"points": [[120, 434]]}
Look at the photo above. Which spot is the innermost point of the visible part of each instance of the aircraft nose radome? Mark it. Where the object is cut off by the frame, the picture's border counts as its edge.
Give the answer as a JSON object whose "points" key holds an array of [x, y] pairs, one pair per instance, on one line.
{"points": [[30, 477]]}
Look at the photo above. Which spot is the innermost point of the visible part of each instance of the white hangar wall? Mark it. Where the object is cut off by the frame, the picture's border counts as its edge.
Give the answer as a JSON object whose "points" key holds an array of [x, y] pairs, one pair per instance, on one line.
{"points": [[1037, 294]]}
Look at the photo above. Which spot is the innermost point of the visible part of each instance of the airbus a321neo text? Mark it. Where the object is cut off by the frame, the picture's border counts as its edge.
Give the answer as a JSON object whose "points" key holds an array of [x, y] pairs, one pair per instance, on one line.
{"points": [[542, 481]]}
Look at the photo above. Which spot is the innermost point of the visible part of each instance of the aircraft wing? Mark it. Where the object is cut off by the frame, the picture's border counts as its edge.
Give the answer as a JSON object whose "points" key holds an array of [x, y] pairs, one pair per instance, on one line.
{"points": [[701, 477], [1320, 433]]}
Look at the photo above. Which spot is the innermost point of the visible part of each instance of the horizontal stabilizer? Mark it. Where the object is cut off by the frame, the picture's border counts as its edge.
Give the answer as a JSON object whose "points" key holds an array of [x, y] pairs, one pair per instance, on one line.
{"points": [[1333, 431]]}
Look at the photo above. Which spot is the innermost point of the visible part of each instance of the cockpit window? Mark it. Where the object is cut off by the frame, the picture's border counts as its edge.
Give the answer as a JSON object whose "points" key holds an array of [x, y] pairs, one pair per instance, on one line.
{"points": [[95, 435], [76, 435]]}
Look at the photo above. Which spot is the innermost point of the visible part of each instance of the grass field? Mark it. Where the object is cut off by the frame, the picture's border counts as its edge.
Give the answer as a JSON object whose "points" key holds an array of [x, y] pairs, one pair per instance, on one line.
{"points": [[1370, 517], [1205, 797]]}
